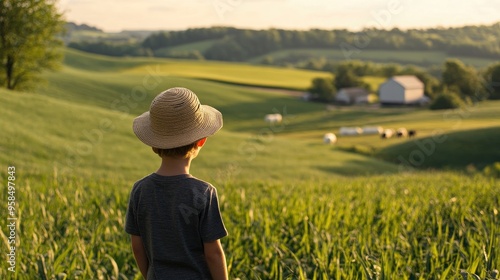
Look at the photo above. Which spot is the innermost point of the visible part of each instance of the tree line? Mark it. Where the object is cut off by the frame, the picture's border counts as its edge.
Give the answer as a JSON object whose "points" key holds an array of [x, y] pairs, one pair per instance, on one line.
{"points": [[234, 44]]}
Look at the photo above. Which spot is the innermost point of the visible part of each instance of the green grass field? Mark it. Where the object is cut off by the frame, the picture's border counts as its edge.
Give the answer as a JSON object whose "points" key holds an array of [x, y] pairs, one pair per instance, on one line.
{"points": [[294, 207], [239, 74], [224, 72]]}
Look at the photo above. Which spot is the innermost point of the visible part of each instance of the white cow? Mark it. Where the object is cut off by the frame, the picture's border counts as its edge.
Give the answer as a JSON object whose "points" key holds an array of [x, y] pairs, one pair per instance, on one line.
{"points": [[402, 132], [388, 133], [329, 138]]}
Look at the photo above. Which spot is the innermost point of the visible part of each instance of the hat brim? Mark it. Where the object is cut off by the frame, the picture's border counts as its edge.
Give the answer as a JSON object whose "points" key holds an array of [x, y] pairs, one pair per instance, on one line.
{"points": [[207, 126]]}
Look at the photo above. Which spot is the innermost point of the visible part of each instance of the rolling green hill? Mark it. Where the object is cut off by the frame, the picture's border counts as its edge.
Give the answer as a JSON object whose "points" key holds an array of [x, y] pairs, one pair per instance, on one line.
{"points": [[474, 148], [421, 58], [126, 87], [226, 72], [294, 207], [85, 139], [93, 89]]}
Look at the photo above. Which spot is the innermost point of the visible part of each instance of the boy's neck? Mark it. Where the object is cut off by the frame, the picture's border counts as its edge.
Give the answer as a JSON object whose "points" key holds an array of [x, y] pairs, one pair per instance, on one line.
{"points": [[171, 166]]}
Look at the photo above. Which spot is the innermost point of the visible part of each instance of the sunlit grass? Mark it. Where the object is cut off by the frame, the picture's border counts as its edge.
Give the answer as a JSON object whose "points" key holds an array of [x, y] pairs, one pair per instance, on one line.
{"points": [[414, 226]]}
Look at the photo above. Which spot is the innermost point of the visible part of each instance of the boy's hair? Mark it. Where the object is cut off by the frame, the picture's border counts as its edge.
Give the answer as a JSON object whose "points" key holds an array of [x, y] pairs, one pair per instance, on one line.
{"points": [[179, 152]]}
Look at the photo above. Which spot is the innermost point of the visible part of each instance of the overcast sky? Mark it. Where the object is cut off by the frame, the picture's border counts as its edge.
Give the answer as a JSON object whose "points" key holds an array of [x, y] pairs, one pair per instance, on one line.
{"points": [[117, 15]]}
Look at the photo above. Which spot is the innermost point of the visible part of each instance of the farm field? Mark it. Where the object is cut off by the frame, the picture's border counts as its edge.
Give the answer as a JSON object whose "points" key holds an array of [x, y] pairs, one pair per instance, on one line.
{"points": [[225, 72], [294, 207]]}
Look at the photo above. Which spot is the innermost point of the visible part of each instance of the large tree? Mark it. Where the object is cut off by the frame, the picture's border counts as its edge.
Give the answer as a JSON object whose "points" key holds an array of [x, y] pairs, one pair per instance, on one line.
{"points": [[323, 89], [463, 79], [28, 40], [346, 77]]}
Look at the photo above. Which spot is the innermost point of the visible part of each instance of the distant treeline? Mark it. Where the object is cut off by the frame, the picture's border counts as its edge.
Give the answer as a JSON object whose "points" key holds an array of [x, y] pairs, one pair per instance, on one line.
{"points": [[70, 26], [233, 44], [238, 44]]}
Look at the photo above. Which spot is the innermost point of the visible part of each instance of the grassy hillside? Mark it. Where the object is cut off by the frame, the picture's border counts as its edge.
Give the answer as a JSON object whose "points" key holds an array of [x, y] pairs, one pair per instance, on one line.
{"points": [[241, 74], [294, 207], [226, 72], [94, 141], [475, 148], [122, 87], [423, 58], [208, 70]]}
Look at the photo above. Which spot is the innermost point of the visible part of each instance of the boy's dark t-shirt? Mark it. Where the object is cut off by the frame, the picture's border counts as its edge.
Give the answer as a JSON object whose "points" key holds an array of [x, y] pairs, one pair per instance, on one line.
{"points": [[175, 215]]}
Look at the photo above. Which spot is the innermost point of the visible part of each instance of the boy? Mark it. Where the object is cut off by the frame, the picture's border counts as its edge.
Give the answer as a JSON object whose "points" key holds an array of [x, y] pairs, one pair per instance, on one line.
{"points": [[174, 218]]}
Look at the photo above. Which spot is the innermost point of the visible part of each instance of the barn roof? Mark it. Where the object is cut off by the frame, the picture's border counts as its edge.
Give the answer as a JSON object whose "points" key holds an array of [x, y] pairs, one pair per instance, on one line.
{"points": [[408, 81]]}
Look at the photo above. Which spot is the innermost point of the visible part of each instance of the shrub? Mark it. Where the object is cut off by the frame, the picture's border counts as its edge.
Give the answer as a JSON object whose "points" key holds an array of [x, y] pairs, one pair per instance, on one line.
{"points": [[446, 101]]}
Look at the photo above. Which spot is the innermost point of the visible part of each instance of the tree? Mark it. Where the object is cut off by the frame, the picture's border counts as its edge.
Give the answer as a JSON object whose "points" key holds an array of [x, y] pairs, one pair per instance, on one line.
{"points": [[227, 50], [463, 79], [390, 70], [323, 89], [28, 42], [345, 77], [492, 78], [446, 100]]}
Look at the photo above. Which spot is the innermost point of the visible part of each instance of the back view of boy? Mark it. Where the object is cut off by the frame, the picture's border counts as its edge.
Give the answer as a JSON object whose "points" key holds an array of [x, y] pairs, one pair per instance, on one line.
{"points": [[173, 218]]}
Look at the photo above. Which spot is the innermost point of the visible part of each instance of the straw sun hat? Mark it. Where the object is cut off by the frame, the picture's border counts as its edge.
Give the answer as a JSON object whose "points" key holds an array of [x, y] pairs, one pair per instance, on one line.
{"points": [[175, 119]]}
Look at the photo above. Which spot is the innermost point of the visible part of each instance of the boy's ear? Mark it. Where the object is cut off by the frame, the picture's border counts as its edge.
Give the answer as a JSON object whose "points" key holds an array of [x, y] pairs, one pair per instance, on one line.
{"points": [[201, 142]]}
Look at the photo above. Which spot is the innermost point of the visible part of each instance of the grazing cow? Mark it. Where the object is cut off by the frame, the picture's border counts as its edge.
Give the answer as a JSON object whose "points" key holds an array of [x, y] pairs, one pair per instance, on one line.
{"points": [[388, 133], [273, 118], [412, 133], [329, 138], [401, 132]]}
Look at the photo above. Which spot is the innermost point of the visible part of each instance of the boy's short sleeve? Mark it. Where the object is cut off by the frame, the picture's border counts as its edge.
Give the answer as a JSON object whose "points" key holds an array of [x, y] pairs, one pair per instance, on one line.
{"points": [[131, 226], [211, 224]]}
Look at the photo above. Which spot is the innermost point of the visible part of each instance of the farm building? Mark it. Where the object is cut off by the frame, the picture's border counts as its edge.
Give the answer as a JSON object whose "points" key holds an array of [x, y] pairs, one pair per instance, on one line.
{"points": [[353, 95], [400, 90]]}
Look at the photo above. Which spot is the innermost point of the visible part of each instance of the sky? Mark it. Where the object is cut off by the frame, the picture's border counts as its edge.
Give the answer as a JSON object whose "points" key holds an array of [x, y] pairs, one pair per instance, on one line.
{"points": [[118, 15]]}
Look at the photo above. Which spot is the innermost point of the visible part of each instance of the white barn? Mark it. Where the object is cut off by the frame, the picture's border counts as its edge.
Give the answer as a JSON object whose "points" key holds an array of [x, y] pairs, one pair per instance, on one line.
{"points": [[353, 95], [400, 90]]}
